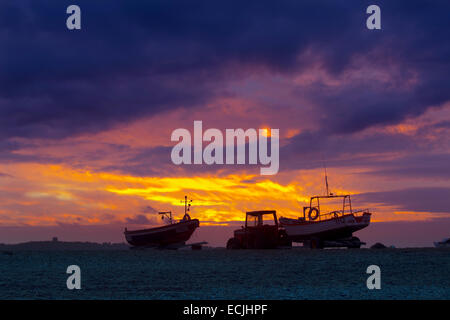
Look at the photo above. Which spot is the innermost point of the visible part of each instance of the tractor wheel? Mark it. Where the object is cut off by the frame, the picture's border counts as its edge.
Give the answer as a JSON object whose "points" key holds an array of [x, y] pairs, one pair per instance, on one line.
{"points": [[283, 240], [355, 243], [233, 244]]}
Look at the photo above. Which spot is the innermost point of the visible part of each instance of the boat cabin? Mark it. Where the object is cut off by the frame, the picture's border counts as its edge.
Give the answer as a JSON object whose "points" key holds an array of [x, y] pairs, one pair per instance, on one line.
{"points": [[315, 212]]}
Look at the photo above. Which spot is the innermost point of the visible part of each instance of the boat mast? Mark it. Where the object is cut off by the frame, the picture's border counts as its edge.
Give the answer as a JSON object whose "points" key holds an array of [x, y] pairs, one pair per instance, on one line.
{"points": [[326, 178], [187, 206]]}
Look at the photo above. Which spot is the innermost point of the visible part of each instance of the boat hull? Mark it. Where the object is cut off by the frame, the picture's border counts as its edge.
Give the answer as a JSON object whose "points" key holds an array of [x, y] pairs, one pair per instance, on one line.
{"points": [[441, 245], [331, 229], [176, 233]]}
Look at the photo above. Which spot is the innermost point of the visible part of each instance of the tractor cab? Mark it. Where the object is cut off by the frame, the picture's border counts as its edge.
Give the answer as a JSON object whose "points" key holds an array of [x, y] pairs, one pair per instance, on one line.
{"points": [[261, 231], [261, 219]]}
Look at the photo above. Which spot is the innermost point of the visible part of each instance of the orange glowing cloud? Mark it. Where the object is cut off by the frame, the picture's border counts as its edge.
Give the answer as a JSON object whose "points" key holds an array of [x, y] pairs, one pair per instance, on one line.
{"points": [[55, 193]]}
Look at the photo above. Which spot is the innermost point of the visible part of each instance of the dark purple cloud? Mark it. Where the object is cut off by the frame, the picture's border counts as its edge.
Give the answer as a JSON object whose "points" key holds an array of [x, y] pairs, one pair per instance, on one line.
{"points": [[425, 166], [138, 219], [381, 153], [414, 199], [5, 175], [133, 59], [149, 209], [309, 149]]}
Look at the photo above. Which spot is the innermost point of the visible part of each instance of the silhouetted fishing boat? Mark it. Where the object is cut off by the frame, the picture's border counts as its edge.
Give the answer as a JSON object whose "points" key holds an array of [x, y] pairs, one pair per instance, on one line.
{"points": [[443, 244], [173, 235], [318, 229], [329, 229]]}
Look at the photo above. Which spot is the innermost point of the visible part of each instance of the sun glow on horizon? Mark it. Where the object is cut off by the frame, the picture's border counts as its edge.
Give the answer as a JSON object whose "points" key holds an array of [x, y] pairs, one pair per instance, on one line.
{"points": [[56, 194]]}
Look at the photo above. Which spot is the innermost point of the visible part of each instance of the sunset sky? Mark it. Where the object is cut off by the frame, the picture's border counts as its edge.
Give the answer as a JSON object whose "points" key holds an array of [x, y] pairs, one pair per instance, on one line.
{"points": [[86, 115]]}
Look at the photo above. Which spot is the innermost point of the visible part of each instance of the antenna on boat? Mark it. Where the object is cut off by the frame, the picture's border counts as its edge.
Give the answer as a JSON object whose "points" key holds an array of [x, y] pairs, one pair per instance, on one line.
{"points": [[326, 176], [187, 206]]}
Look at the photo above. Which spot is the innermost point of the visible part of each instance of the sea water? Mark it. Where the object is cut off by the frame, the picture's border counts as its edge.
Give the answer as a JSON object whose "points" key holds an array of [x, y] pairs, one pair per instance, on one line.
{"points": [[224, 274]]}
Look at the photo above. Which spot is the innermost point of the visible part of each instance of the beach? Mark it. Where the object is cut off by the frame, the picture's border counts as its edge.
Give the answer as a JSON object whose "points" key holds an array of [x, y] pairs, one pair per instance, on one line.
{"points": [[227, 274]]}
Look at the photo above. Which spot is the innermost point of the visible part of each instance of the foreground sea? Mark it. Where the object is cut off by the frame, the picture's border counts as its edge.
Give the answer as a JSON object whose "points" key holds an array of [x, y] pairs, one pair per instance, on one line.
{"points": [[222, 274]]}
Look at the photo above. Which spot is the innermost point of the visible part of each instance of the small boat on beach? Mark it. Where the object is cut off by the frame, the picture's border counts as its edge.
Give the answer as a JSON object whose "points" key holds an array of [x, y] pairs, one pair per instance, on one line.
{"points": [[443, 244], [318, 229], [173, 235]]}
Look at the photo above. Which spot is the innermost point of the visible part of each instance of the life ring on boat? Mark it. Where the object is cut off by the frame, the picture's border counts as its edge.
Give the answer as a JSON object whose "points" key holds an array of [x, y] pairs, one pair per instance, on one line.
{"points": [[312, 216]]}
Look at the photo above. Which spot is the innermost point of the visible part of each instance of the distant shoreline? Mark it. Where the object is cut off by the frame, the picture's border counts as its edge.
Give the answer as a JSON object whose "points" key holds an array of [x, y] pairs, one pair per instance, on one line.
{"points": [[108, 246], [62, 245]]}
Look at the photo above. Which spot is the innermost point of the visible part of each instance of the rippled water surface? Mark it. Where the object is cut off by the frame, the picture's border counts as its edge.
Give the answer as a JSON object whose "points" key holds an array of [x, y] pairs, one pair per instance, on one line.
{"points": [[222, 274]]}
